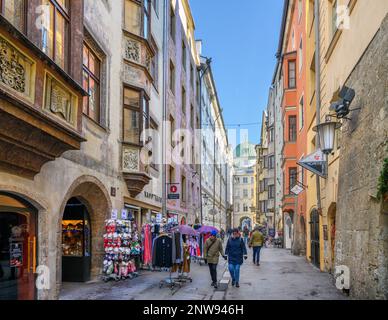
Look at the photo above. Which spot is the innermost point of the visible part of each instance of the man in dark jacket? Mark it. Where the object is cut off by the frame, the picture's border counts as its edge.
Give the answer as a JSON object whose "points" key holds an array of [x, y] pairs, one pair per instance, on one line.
{"points": [[236, 252]]}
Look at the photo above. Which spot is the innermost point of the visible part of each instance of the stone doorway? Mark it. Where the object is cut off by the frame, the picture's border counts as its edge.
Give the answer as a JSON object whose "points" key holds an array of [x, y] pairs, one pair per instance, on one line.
{"points": [[76, 242], [18, 248], [96, 205]]}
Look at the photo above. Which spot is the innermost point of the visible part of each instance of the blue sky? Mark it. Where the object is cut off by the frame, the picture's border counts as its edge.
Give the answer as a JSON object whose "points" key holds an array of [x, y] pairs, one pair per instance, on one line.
{"points": [[241, 37]]}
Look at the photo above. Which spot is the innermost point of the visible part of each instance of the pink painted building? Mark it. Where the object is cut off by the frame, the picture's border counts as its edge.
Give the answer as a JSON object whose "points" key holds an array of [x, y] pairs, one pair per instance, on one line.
{"points": [[183, 114]]}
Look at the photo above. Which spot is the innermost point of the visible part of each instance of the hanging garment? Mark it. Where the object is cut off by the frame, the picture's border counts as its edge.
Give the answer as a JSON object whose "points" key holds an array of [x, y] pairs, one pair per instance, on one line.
{"points": [[147, 252], [163, 252], [186, 260], [177, 253]]}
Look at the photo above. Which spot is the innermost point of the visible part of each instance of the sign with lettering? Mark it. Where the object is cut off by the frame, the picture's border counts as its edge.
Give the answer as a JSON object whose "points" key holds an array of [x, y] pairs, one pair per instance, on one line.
{"points": [[16, 254], [153, 197], [173, 193]]}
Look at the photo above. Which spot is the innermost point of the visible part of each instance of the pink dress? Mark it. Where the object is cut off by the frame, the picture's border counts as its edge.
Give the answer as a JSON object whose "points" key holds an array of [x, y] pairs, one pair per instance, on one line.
{"points": [[147, 255]]}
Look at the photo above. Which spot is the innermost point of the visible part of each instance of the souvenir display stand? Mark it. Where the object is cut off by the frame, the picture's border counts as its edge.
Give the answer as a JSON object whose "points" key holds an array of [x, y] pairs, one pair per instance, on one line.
{"points": [[122, 248]]}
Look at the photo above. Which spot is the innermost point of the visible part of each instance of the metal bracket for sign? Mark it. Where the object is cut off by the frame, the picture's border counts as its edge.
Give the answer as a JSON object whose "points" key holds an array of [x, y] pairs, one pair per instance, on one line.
{"points": [[302, 185], [309, 166]]}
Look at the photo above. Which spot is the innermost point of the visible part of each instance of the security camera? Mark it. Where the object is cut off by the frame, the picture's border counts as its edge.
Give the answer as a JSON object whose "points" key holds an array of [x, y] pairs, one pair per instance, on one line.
{"points": [[342, 106]]}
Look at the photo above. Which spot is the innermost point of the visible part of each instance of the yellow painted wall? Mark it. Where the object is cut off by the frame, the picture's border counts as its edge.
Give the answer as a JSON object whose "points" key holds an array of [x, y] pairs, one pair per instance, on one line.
{"points": [[340, 53]]}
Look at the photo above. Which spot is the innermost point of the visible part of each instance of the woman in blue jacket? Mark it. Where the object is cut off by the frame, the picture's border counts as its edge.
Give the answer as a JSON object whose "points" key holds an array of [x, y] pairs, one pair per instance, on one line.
{"points": [[236, 252]]}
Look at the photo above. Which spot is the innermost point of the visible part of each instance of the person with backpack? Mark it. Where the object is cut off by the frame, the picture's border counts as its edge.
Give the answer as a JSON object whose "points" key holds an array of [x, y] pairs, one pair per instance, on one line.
{"points": [[236, 252], [212, 251]]}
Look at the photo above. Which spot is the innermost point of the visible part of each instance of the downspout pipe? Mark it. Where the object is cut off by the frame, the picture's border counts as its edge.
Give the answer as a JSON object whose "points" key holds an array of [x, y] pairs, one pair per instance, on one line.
{"points": [[202, 73], [318, 90], [164, 127]]}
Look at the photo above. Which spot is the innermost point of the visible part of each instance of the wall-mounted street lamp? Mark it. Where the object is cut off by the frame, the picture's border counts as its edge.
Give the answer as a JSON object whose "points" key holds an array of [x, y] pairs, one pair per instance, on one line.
{"points": [[326, 133]]}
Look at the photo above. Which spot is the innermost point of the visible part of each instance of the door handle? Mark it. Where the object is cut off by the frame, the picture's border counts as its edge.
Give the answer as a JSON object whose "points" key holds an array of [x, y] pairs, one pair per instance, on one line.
{"points": [[29, 254], [34, 255]]}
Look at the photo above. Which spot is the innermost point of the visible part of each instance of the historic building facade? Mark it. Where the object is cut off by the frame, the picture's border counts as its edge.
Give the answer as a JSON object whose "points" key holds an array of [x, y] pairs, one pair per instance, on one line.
{"points": [[263, 179], [72, 123], [292, 51], [244, 185], [216, 161], [336, 33], [183, 114], [358, 233]]}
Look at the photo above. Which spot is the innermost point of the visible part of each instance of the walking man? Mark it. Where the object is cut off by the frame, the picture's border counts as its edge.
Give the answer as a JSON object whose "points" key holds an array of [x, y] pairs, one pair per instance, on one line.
{"points": [[246, 235], [212, 251], [256, 242], [236, 252]]}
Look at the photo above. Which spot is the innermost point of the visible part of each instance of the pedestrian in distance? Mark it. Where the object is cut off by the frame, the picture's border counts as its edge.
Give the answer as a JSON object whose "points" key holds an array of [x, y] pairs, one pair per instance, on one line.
{"points": [[212, 251], [256, 242], [246, 235], [236, 252]]}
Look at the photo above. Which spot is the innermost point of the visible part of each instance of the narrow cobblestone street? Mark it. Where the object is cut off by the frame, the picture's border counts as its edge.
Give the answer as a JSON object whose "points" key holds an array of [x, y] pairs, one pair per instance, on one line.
{"points": [[281, 276]]}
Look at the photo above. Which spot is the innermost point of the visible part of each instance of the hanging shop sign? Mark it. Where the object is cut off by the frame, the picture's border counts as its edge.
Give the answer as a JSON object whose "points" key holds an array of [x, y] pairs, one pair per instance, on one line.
{"points": [[297, 190], [173, 193], [159, 218], [315, 163], [172, 218]]}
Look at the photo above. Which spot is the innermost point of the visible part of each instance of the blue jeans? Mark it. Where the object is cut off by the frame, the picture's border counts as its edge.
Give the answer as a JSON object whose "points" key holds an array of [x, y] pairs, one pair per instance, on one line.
{"points": [[256, 254], [234, 270], [246, 239]]}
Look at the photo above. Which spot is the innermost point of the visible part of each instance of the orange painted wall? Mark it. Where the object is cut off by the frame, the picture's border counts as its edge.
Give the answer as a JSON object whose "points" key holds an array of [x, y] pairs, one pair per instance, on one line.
{"points": [[294, 151]]}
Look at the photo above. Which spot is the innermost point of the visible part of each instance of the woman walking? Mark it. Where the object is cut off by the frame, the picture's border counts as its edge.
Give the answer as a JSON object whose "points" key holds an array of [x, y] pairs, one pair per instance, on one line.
{"points": [[236, 252]]}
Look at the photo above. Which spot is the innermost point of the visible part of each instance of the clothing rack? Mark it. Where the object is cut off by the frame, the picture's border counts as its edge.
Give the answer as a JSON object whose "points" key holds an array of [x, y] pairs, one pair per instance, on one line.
{"points": [[180, 264]]}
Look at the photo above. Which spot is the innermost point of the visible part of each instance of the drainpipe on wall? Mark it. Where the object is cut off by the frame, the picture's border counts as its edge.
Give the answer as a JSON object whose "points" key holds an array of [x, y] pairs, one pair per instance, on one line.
{"points": [[164, 129], [318, 89], [201, 76]]}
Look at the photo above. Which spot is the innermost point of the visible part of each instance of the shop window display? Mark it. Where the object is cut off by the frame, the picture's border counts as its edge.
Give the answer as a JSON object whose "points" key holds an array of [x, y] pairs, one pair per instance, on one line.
{"points": [[76, 242]]}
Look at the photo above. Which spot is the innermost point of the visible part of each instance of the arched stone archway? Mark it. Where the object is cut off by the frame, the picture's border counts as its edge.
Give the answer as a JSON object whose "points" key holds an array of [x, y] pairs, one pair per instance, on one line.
{"points": [[246, 221], [19, 242], [93, 194], [33, 201]]}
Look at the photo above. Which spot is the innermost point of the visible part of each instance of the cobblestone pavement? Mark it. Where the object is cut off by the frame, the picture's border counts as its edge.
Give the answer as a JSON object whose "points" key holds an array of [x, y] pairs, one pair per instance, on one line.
{"points": [[281, 276]]}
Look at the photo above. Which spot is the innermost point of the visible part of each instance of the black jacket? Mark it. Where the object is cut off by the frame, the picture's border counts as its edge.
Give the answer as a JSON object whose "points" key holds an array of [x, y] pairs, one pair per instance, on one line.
{"points": [[235, 250], [162, 252]]}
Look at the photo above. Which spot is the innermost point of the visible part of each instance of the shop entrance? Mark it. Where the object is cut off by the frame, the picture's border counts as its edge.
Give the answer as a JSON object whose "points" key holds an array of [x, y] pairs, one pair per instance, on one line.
{"points": [[314, 236], [76, 242], [17, 248]]}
